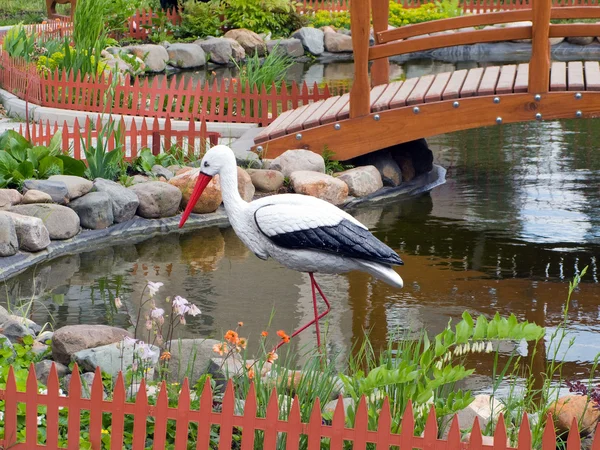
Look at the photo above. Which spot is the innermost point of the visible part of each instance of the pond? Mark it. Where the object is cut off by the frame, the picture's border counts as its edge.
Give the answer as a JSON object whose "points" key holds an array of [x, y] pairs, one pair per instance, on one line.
{"points": [[518, 217]]}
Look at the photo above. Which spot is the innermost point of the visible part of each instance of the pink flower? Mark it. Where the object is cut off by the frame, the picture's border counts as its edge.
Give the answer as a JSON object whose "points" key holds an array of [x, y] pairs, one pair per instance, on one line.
{"points": [[118, 302], [180, 305], [148, 324], [157, 313]]}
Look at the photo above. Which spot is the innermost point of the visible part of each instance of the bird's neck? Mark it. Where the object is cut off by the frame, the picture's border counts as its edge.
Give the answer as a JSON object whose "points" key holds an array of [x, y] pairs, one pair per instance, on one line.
{"points": [[229, 189]]}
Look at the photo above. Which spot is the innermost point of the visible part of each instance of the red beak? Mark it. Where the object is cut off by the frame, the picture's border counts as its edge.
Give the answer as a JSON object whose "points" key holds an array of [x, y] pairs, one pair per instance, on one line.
{"points": [[201, 184]]}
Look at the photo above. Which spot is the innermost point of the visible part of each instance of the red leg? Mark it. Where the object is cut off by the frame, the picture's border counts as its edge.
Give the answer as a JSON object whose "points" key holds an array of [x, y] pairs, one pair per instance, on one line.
{"points": [[315, 321]]}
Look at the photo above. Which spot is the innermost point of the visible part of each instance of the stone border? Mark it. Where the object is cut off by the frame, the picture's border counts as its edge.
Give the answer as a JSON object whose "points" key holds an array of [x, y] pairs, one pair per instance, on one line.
{"points": [[140, 229]]}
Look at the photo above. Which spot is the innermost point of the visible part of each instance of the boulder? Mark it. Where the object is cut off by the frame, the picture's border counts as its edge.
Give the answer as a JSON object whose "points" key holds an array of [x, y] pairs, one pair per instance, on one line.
{"points": [[154, 56], [34, 327], [266, 180], [9, 197], [406, 166], [87, 379], [124, 201], [383, 161], [56, 189], [224, 369], [73, 338], [45, 336], [9, 244], [191, 358], [76, 186], [580, 40], [295, 160], [556, 40], [577, 407], [349, 404], [15, 330], [337, 43], [42, 370], [61, 222], [33, 196], [319, 185], [211, 197], [361, 181], [161, 171], [157, 199], [312, 40], [218, 50], [249, 40], [290, 47], [481, 409], [418, 152], [237, 51], [94, 210], [115, 357], [327, 29], [138, 179], [4, 314], [32, 234], [186, 56]]}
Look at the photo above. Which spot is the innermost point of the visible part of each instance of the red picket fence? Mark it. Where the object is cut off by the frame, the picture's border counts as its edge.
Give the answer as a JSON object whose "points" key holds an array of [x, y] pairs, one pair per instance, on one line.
{"points": [[205, 421], [144, 21], [20, 78], [158, 137]]}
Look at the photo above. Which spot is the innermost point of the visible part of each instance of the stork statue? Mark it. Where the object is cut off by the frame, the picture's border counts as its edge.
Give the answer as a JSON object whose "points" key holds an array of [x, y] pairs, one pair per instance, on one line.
{"points": [[302, 233]]}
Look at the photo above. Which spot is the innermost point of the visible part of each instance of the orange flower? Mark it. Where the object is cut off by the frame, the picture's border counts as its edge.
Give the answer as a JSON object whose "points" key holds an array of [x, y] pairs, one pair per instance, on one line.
{"points": [[165, 356], [272, 356], [250, 371], [234, 80], [221, 348], [232, 337], [284, 337], [240, 324], [242, 343], [264, 333]]}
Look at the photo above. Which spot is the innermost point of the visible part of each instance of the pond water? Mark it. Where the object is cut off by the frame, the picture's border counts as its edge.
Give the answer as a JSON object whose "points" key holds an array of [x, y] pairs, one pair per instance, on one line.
{"points": [[518, 217]]}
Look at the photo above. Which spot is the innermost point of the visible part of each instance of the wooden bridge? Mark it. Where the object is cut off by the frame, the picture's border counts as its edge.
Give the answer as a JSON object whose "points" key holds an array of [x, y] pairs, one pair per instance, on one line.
{"points": [[377, 114]]}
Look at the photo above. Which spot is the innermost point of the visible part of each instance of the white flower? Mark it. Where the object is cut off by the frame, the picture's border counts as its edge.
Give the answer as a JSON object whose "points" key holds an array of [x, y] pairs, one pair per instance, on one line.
{"points": [[146, 351], [154, 287], [40, 419], [129, 340], [180, 305], [193, 310], [118, 302], [156, 313], [1, 416], [489, 347]]}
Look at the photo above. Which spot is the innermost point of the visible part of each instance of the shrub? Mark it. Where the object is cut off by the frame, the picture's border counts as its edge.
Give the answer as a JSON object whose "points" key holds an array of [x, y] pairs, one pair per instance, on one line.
{"points": [[200, 19], [262, 16], [19, 44]]}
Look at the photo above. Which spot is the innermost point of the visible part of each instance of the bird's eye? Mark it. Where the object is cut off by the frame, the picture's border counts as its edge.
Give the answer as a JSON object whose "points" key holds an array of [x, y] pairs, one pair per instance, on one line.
{"points": [[206, 164]]}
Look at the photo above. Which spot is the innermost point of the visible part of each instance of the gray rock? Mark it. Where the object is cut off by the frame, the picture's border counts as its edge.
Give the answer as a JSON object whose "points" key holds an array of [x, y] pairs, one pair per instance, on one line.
{"points": [[266, 180], [312, 40], [319, 185], [32, 234], [224, 369], [481, 409], [4, 314], [56, 189], [33, 196], [9, 197], [580, 40], [157, 199], [154, 56], [45, 336], [290, 47], [34, 327], [218, 50], [251, 42], [383, 161], [295, 160], [42, 370], [337, 43], [186, 56], [161, 171], [76, 186], [138, 179], [61, 222], [116, 357], [87, 380], [73, 338], [94, 210], [419, 154], [124, 202], [237, 51], [14, 330], [191, 358], [349, 404], [9, 244], [361, 181]]}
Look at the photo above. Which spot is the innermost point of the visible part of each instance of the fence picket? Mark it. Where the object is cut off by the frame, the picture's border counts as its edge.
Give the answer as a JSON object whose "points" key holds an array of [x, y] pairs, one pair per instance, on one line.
{"points": [[384, 426], [271, 420], [226, 417], [97, 393], [74, 405], [500, 434], [337, 426], [249, 419], [206, 401], [408, 427], [524, 439], [549, 435], [294, 426], [140, 414], [476, 439], [313, 430], [31, 413], [573, 440], [118, 413], [52, 406]]}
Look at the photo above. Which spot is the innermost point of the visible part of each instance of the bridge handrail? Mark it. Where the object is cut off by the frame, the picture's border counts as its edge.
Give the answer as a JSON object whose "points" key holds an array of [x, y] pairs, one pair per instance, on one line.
{"points": [[396, 42]]}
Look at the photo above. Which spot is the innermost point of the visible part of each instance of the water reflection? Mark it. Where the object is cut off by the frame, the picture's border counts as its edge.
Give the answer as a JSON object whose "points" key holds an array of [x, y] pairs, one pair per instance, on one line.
{"points": [[516, 221]]}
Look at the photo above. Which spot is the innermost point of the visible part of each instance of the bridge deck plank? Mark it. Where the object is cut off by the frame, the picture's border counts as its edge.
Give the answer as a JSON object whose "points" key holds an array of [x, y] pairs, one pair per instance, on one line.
{"points": [[522, 79], [455, 84], [264, 134], [592, 76], [315, 119], [434, 94], [383, 102], [298, 122], [471, 84], [279, 129], [332, 114], [487, 86], [506, 80], [376, 92], [558, 76], [575, 76], [403, 93], [418, 94]]}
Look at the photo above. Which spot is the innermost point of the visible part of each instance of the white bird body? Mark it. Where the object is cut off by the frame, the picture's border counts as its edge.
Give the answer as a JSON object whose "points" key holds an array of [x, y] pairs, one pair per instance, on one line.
{"points": [[301, 232]]}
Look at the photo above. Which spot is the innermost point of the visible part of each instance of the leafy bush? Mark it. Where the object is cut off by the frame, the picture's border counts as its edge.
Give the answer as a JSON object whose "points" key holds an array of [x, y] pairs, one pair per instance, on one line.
{"points": [[19, 44], [147, 160], [200, 19], [262, 16], [70, 59], [20, 160], [117, 13]]}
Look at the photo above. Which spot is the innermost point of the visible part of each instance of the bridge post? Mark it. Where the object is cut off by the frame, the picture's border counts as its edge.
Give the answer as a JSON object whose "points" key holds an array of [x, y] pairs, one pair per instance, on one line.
{"points": [[380, 71], [360, 14], [539, 65]]}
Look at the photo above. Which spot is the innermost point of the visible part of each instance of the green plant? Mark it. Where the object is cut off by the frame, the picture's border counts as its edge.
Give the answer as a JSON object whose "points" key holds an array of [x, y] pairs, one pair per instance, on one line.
{"points": [[261, 16], [449, 8], [271, 70], [103, 163], [200, 19], [331, 165], [117, 13], [19, 44], [20, 160], [147, 160]]}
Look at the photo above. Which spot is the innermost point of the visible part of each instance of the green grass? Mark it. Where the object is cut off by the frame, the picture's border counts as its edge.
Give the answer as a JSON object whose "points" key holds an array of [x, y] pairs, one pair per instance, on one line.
{"points": [[32, 11]]}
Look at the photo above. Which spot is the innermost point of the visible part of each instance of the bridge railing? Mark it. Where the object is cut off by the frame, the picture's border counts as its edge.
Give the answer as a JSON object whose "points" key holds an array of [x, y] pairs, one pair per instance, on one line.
{"points": [[413, 38]]}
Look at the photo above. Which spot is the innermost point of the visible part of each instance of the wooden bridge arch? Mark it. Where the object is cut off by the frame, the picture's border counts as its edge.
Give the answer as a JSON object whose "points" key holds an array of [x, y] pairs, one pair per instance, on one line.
{"points": [[377, 114]]}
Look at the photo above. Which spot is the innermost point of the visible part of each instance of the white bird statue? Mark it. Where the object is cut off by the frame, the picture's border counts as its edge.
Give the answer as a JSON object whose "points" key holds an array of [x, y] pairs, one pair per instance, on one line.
{"points": [[301, 232]]}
